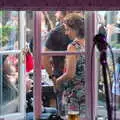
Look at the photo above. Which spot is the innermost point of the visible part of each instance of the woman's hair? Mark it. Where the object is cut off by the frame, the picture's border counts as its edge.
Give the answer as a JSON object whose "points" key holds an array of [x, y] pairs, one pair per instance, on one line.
{"points": [[76, 22]]}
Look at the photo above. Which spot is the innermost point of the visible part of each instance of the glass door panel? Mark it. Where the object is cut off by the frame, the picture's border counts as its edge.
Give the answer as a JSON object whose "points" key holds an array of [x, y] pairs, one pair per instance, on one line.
{"points": [[12, 97], [54, 44], [108, 23]]}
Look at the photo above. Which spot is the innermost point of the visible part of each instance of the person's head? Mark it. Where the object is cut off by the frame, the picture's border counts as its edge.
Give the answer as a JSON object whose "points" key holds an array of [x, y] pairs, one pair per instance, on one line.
{"points": [[8, 68], [74, 25], [14, 15], [60, 15]]}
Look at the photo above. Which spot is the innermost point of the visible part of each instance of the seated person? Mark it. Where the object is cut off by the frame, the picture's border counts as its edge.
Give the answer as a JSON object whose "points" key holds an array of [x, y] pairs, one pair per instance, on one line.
{"points": [[10, 97], [46, 111]]}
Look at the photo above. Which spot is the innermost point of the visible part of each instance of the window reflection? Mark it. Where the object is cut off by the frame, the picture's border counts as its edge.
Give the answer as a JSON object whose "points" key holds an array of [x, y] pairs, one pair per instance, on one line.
{"points": [[9, 29], [110, 21], [10, 84]]}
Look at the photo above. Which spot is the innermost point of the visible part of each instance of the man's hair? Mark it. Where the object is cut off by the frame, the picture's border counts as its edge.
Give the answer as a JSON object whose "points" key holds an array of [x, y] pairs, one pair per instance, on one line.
{"points": [[75, 22], [64, 13]]}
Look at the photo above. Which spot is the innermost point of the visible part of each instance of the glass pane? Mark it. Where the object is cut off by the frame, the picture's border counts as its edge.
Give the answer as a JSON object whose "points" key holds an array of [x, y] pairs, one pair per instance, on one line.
{"points": [[8, 29], [71, 90], [59, 29], [109, 25], [9, 80], [110, 20], [53, 21], [29, 27]]}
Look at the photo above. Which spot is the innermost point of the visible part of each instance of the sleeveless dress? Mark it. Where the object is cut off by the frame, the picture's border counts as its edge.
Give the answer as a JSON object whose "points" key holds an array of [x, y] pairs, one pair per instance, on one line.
{"points": [[74, 93]]}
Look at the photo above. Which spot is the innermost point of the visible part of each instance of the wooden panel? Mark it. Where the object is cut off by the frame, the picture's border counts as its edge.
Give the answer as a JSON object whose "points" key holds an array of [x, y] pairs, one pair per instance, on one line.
{"points": [[60, 4]]}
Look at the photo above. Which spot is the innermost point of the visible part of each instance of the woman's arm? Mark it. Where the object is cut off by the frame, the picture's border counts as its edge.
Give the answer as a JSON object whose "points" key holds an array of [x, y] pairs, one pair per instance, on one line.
{"points": [[71, 61]]}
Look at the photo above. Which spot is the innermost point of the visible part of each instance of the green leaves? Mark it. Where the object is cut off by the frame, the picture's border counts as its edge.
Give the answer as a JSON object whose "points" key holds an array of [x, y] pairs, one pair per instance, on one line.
{"points": [[4, 33]]}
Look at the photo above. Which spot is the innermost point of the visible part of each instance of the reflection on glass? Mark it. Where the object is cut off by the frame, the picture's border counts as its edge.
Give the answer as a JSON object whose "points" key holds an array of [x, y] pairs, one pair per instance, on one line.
{"points": [[110, 20], [9, 81], [8, 29], [101, 111]]}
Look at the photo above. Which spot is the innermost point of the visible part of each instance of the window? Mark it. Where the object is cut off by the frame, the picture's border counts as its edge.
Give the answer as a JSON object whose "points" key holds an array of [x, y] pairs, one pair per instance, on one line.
{"points": [[61, 51], [12, 97], [108, 24], [95, 102]]}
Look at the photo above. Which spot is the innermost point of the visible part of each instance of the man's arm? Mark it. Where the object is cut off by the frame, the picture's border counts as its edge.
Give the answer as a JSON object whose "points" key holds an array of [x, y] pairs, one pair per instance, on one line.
{"points": [[47, 62]]}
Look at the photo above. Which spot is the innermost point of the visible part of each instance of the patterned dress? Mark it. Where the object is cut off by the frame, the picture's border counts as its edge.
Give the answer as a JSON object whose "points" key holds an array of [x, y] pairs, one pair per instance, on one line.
{"points": [[74, 89]]}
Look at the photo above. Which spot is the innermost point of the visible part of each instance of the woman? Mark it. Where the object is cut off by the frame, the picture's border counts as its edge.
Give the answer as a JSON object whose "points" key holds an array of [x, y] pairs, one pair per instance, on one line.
{"points": [[74, 74]]}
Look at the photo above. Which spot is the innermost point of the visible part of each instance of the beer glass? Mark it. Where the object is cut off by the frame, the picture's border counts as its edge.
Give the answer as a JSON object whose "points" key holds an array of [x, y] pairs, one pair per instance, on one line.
{"points": [[73, 115], [73, 111]]}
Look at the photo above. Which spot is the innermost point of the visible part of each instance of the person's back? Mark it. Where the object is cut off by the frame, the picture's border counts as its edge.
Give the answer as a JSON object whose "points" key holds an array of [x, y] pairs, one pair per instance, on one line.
{"points": [[57, 41]]}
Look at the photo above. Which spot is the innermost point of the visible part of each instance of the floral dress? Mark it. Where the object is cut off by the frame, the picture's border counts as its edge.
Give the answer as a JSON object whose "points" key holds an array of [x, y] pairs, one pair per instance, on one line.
{"points": [[74, 89]]}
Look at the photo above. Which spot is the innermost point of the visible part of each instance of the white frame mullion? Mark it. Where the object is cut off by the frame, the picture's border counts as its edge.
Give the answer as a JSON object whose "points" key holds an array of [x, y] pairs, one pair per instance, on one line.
{"points": [[15, 116], [10, 52], [22, 33]]}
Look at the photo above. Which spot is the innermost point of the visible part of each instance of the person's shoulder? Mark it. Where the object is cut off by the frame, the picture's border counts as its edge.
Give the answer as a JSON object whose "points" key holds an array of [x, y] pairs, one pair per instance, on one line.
{"points": [[56, 32], [71, 47], [57, 29]]}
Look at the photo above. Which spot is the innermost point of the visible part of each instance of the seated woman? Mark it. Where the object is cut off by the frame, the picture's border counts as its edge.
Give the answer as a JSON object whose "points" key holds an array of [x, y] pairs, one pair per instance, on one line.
{"points": [[10, 90], [10, 97]]}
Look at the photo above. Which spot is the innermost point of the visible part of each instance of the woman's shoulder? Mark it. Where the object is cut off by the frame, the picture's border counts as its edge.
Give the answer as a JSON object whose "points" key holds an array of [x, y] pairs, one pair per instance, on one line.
{"points": [[74, 45], [71, 47]]}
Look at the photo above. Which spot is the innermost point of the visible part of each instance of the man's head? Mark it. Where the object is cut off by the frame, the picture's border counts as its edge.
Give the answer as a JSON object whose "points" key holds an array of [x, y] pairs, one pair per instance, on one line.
{"points": [[60, 15]]}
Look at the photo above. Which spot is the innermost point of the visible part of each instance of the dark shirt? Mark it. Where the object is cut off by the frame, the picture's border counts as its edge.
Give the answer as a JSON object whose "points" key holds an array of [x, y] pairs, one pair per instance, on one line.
{"points": [[58, 41], [9, 92]]}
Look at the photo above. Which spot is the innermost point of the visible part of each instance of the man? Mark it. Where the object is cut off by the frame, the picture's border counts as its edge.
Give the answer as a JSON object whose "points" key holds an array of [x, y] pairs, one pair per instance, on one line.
{"points": [[56, 41]]}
